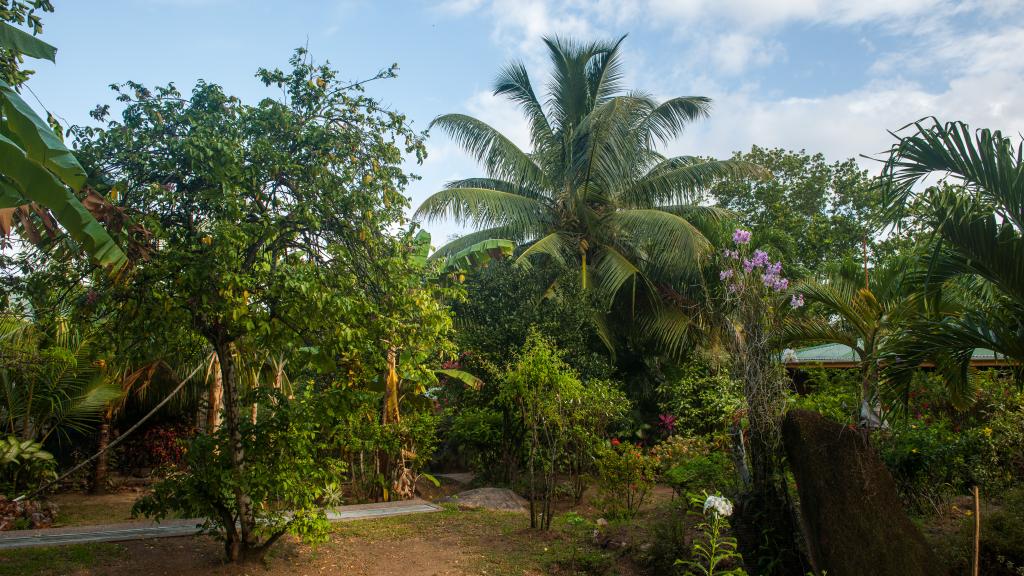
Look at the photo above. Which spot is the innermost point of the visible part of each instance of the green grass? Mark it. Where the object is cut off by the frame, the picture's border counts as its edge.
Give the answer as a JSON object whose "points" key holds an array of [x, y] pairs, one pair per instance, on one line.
{"points": [[57, 560]]}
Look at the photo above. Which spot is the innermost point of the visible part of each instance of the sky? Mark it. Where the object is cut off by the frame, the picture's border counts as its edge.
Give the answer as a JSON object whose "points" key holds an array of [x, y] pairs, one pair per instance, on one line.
{"points": [[829, 76]]}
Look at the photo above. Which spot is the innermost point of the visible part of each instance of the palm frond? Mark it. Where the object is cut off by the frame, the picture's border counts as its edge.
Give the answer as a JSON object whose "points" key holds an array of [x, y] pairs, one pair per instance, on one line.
{"points": [[500, 157]]}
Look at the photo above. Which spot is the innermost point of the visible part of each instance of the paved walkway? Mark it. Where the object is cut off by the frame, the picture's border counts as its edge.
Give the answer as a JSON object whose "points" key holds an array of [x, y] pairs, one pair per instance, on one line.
{"points": [[170, 528]]}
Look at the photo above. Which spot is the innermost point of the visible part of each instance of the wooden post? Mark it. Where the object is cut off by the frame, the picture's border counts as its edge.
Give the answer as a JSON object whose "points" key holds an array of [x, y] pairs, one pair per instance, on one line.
{"points": [[977, 532]]}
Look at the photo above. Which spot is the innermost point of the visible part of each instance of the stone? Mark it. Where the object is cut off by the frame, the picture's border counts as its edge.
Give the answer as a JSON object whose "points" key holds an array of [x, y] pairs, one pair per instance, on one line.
{"points": [[851, 515], [489, 499]]}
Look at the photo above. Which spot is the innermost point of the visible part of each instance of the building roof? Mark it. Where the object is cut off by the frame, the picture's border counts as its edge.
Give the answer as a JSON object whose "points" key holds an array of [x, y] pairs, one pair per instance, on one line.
{"points": [[842, 356]]}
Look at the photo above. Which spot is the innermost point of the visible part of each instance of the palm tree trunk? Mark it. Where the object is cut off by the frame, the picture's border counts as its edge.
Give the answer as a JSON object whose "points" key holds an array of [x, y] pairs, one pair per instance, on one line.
{"points": [[99, 473]]}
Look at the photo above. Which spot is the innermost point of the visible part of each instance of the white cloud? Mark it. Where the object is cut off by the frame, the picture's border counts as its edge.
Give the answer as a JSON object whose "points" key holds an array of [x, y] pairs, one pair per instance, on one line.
{"points": [[853, 123]]}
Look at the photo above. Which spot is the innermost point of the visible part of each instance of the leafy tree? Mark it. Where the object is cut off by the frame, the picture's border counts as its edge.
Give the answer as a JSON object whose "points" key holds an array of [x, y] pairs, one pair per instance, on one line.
{"points": [[976, 245], [810, 212], [593, 196], [271, 233], [542, 392]]}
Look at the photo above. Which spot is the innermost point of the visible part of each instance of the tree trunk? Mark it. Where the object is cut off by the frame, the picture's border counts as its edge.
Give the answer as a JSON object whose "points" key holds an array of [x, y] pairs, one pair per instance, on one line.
{"points": [[216, 388], [237, 545], [99, 473], [391, 389]]}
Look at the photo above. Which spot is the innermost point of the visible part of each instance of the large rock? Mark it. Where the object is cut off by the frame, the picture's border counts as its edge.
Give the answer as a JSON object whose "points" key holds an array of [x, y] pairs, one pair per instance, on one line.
{"points": [[852, 517], [489, 499]]}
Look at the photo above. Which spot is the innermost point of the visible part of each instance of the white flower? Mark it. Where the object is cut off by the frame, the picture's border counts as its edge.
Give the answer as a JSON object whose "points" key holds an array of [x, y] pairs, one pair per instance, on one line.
{"points": [[719, 504]]}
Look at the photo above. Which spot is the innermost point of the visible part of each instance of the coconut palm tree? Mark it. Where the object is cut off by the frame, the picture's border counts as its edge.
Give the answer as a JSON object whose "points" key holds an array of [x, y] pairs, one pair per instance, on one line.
{"points": [[593, 196], [977, 246]]}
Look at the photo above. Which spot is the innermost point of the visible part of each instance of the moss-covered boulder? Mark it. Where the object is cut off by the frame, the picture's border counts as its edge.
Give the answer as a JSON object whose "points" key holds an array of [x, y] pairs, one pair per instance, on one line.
{"points": [[852, 518]]}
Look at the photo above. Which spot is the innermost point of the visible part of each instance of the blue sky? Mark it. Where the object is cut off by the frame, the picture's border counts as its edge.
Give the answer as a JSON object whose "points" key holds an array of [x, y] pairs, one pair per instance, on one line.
{"points": [[828, 76]]}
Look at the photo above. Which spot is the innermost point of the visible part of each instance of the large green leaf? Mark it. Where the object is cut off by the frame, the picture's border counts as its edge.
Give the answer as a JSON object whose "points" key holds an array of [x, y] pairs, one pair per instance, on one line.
{"points": [[36, 184], [25, 43], [37, 138], [480, 254]]}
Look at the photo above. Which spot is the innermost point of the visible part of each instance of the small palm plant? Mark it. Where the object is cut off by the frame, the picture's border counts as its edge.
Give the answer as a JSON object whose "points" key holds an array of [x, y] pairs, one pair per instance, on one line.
{"points": [[50, 381]]}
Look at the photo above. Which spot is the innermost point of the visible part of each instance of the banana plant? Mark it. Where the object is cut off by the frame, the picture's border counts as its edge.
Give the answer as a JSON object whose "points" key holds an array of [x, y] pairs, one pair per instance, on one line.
{"points": [[39, 177]]}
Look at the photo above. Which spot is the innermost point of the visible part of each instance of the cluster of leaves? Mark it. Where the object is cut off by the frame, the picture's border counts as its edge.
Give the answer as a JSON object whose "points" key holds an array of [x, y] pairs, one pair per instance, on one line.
{"points": [[23, 465], [832, 205], [937, 451]]}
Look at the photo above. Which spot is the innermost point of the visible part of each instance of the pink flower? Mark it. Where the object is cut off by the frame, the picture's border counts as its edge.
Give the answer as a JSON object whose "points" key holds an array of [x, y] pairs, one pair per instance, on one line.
{"points": [[797, 300], [741, 236], [724, 274]]}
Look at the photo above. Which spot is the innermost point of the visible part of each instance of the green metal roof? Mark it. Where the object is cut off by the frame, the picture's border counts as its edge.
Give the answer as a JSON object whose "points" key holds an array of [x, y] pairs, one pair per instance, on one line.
{"points": [[841, 353]]}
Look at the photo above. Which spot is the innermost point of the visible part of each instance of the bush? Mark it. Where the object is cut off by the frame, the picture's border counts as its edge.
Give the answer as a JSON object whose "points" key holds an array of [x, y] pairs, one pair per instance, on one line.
{"points": [[475, 436], [24, 465], [700, 399], [696, 464], [1002, 538], [667, 538], [160, 446], [835, 394], [625, 478]]}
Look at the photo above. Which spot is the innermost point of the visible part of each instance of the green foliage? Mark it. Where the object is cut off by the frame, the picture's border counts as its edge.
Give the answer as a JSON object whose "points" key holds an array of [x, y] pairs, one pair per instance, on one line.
{"points": [[831, 205], [691, 465], [276, 232], [600, 408], [541, 392], [667, 537], [703, 400], [23, 465], [286, 472], [938, 452], [475, 434], [976, 249], [52, 382], [39, 176], [832, 393], [1002, 536], [16, 43], [625, 477], [505, 295]]}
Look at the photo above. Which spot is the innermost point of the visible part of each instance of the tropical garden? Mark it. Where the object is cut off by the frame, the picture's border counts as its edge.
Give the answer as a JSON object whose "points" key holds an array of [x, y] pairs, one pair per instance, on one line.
{"points": [[228, 312]]}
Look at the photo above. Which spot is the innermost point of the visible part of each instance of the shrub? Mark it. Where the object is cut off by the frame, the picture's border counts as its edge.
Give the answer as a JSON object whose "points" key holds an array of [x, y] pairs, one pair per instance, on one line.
{"points": [[701, 399], [667, 538], [625, 478], [696, 464], [160, 446], [475, 436], [23, 465], [541, 392]]}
